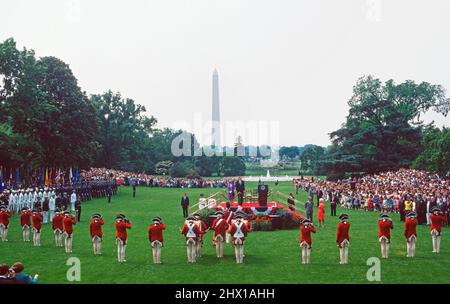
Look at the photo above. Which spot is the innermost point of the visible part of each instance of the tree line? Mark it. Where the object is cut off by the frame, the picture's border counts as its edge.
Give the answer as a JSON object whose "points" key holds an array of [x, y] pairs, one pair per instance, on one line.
{"points": [[48, 121]]}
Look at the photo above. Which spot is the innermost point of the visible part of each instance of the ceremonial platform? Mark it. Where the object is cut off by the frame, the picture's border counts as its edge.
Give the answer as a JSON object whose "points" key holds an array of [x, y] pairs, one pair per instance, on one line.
{"points": [[272, 216]]}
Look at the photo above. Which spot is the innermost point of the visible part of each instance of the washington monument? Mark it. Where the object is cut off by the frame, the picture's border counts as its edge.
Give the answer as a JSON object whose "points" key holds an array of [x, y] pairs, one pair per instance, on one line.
{"points": [[215, 132]]}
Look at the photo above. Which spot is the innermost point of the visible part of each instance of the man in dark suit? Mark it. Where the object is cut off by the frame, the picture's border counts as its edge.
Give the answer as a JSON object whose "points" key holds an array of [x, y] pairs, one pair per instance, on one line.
{"points": [[185, 205], [240, 188]]}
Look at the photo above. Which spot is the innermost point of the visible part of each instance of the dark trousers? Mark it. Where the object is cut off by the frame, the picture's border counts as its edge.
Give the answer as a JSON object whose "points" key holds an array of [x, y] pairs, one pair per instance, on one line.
{"points": [[134, 193], [333, 209], [240, 198], [78, 214], [309, 216], [109, 198], [185, 211]]}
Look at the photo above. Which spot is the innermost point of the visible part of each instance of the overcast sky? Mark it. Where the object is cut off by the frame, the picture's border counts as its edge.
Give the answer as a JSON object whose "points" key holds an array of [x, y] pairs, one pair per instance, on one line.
{"points": [[288, 61]]}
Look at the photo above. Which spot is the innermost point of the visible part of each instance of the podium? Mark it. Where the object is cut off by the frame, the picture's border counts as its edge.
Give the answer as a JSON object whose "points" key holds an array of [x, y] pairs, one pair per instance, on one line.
{"points": [[263, 191]]}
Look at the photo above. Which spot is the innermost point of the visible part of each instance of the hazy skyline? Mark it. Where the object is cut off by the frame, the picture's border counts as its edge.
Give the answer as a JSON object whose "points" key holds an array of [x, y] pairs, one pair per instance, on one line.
{"points": [[289, 61]]}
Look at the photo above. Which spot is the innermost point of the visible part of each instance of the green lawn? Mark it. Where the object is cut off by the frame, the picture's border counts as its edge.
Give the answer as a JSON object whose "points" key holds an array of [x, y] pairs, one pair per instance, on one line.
{"points": [[271, 257]]}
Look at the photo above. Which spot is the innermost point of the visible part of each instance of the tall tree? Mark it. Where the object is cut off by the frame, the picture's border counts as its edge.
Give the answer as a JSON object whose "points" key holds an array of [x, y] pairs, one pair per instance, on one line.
{"points": [[435, 156], [382, 130]]}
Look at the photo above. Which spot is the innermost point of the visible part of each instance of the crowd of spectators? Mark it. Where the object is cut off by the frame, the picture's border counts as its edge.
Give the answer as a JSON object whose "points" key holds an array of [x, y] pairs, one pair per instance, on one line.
{"points": [[141, 179], [14, 275], [393, 191]]}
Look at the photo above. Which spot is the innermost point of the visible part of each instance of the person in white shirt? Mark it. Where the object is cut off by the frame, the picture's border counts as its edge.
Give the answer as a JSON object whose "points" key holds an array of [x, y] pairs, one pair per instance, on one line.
{"points": [[20, 201], [73, 199], [202, 203], [52, 206], [211, 203]]}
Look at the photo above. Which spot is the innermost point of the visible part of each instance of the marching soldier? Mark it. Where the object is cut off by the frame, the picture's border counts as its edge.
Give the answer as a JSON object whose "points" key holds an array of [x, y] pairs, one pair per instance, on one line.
{"points": [[220, 227], [25, 222], [239, 231], [57, 226], [121, 224], [68, 222], [95, 228], [437, 218], [191, 232], [155, 236], [384, 233], [5, 214], [410, 234], [228, 216], [306, 228], [343, 238], [37, 219], [203, 229]]}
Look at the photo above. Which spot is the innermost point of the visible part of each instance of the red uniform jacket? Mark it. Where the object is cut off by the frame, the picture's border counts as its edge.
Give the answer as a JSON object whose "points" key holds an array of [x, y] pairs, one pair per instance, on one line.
{"points": [[68, 222], [228, 216], [410, 228], [95, 228], [195, 229], [220, 228], [342, 232], [25, 218], [4, 217], [202, 227], [306, 234], [155, 232], [244, 229], [436, 222], [37, 221], [384, 229], [121, 230], [57, 222]]}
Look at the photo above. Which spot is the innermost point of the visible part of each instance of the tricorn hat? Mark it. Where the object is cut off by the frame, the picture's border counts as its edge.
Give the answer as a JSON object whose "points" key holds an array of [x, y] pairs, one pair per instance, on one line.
{"points": [[343, 217]]}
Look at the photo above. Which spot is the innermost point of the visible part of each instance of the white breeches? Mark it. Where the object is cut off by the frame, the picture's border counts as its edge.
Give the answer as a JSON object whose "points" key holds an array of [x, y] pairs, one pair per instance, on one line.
{"points": [[306, 252], [239, 252], [26, 233], [3, 232], [191, 250], [156, 249], [411, 246], [97, 244], [36, 237], [436, 240], [343, 251], [58, 237], [68, 239], [384, 243], [121, 247], [219, 246]]}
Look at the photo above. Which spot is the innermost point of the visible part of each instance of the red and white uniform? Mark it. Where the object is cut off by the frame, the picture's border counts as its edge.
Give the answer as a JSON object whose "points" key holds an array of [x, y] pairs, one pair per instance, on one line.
{"points": [[305, 234], [410, 228], [343, 233], [95, 228], [202, 227], [384, 229], [121, 230], [238, 231], [25, 218], [436, 222], [228, 216], [57, 222], [68, 223], [37, 219], [220, 227], [191, 232], [4, 218], [155, 233]]}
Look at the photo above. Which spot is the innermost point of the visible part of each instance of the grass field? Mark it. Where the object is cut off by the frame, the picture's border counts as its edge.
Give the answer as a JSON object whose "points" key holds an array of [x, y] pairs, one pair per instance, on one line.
{"points": [[271, 257]]}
